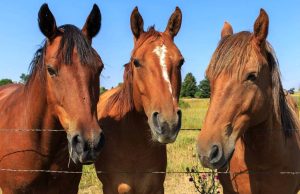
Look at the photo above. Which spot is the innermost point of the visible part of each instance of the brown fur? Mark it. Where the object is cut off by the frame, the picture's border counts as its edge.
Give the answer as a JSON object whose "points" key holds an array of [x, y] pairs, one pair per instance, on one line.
{"points": [[69, 106], [125, 112], [250, 114]]}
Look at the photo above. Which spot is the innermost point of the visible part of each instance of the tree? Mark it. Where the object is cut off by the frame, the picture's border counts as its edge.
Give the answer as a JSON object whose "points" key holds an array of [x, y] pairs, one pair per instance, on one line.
{"points": [[204, 89], [24, 78], [102, 90], [291, 91], [5, 81], [189, 86]]}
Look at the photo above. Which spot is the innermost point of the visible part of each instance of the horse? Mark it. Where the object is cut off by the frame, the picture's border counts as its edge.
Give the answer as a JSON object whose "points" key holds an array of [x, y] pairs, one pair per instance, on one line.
{"points": [[142, 115], [250, 132], [54, 115]]}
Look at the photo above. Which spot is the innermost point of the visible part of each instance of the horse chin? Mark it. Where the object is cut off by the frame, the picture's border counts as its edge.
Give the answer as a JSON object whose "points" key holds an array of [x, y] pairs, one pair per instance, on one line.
{"points": [[164, 139], [223, 165], [81, 159]]}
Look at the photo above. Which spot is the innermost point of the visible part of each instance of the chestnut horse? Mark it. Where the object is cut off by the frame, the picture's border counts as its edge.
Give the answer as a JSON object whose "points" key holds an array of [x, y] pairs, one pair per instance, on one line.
{"points": [[250, 129], [61, 94], [140, 117]]}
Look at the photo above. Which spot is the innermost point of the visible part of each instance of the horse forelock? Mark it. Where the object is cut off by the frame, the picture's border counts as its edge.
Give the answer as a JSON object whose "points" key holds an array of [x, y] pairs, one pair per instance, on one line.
{"points": [[231, 55], [71, 38]]}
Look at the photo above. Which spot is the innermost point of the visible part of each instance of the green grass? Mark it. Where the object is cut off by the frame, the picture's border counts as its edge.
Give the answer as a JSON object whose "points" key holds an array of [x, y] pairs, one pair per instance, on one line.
{"points": [[89, 183], [181, 154], [297, 98], [192, 117]]}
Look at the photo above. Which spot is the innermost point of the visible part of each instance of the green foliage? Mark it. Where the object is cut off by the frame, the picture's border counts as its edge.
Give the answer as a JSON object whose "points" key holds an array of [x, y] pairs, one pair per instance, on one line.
{"points": [[204, 89], [24, 78], [198, 94], [102, 90], [5, 81], [183, 104], [189, 86]]}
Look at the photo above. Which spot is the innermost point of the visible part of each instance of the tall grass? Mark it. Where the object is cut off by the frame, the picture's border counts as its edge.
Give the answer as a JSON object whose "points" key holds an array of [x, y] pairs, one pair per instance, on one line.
{"points": [[193, 116]]}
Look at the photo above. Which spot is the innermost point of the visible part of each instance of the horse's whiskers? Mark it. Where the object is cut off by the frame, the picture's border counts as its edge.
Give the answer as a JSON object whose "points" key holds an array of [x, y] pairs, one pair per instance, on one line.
{"points": [[70, 155]]}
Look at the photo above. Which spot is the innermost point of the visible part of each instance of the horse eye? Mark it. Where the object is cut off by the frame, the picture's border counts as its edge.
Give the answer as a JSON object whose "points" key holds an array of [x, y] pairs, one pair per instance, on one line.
{"points": [[251, 77], [52, 72], [136, 63]]}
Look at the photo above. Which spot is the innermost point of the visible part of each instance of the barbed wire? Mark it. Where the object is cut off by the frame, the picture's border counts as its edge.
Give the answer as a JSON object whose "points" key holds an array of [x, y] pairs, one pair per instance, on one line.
{"points": [[148, 172], [33, 130], [124, 172], [62, 130], [59, 130]]}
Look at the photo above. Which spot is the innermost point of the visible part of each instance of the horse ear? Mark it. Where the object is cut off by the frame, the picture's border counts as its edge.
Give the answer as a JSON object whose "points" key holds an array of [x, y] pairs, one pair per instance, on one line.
{"points": [[227, 30], [174, 23], [93, 23], [47, 22], [137, 23], [261, 27]]}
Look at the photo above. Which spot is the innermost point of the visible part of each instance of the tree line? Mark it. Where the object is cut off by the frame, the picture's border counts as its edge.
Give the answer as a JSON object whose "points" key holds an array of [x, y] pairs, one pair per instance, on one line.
{"points": [[23, 79], [190, 89], [189, 86]]}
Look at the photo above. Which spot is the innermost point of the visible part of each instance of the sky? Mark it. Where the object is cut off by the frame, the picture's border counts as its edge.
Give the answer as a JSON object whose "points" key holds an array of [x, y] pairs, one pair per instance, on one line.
{"points": [[198, 38]]}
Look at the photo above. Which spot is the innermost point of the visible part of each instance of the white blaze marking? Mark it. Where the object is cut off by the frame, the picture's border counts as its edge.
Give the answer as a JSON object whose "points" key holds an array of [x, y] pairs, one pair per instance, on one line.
{"points": [[161, 51]]}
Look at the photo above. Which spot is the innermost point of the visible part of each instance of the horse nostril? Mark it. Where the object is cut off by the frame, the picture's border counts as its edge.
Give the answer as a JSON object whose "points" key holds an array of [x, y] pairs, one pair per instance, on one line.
{"points": [[179, 114], [155, 115], [155, 118], [156, 122], [214, 154], [78, 143]]}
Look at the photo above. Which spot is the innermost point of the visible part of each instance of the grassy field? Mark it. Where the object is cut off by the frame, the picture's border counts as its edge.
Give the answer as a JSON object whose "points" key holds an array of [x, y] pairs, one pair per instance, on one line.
{"points": [[181, 154]]}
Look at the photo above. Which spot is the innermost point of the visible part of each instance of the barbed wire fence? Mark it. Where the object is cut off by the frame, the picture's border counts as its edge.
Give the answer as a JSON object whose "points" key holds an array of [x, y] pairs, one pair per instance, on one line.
{"points": [[204, 181], [124, 172]]}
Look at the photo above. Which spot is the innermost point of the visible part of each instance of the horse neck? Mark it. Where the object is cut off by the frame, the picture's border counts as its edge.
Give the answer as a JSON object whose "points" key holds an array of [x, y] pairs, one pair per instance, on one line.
{"points": [[127, 112], [265, 143]]}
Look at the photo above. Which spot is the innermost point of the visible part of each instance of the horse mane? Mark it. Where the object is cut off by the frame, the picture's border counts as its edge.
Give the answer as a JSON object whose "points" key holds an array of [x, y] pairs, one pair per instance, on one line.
{"points": [[123, 97], [231, 55], [71, 37], [282, 109]]}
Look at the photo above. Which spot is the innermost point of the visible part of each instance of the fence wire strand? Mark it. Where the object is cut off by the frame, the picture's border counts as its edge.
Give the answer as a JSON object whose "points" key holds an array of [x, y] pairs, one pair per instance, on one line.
{"points": [[147, 172], [124, 172]]}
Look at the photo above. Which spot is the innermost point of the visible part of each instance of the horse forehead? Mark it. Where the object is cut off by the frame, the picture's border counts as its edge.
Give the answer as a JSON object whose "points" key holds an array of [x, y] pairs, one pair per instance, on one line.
{"points": [[52, 47], [166, 52]]}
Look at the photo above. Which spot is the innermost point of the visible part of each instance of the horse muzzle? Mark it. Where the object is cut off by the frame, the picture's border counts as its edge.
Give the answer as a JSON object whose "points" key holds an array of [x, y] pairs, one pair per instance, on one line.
{"points": [[83, 150], [165, 131]]}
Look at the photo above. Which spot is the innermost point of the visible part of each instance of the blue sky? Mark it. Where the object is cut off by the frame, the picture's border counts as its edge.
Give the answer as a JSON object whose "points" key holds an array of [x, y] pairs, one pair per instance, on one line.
{"points": [[200, 31]]}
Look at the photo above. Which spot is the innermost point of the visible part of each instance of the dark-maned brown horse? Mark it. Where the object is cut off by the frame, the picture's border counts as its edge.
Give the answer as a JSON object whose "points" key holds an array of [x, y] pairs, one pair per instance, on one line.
{"points": [[249, 113], [142, 115], [61, 94]]}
